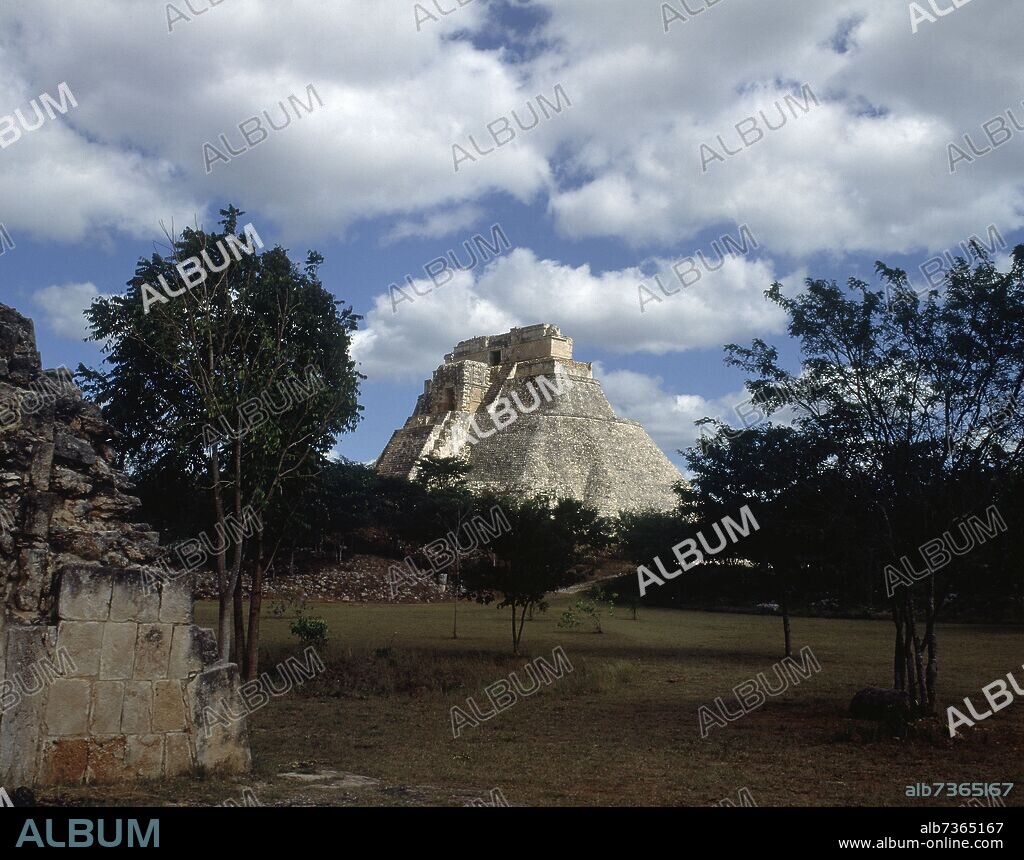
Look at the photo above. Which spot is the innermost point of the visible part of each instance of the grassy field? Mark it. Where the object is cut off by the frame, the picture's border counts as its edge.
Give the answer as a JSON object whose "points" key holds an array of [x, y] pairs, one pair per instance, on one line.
{"points": [[620, 729]]}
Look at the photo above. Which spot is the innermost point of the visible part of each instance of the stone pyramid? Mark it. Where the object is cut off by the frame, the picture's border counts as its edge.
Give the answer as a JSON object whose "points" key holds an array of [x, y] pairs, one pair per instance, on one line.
{"points": [[569, 444]]}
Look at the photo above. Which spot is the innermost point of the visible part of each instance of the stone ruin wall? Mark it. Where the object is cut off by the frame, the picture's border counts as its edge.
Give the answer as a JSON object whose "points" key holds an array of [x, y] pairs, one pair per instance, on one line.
{"points": [[104, 676]]}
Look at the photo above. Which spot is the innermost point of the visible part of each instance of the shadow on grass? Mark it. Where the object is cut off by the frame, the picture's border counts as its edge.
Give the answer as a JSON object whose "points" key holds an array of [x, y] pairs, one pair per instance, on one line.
{"points": [[388, 671]]}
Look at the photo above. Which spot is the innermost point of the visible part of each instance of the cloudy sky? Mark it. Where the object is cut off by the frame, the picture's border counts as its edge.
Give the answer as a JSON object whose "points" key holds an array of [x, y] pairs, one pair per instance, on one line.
{"points": [[643, 132]]}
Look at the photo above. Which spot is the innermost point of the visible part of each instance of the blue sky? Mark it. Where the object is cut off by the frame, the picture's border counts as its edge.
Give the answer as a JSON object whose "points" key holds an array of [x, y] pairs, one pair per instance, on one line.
{"points": [[597, 198]]}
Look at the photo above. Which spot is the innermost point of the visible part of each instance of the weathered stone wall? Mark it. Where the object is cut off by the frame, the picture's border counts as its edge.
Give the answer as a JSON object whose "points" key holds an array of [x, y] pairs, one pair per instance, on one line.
{"points": [[519, 344], [572, 445], [462, 386], [104, 677]]}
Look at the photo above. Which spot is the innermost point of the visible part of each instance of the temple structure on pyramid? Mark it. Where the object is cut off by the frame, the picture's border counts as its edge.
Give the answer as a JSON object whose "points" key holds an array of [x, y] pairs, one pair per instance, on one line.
{"points": [[564, 438]]}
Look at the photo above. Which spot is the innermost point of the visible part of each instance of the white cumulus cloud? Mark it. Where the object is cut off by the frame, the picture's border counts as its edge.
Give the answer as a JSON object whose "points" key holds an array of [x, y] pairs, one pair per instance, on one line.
{"points": [[63, 308]]}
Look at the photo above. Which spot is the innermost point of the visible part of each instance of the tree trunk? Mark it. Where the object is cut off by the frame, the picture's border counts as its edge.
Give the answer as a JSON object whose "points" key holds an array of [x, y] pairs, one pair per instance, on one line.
{"points": [[255, 604], [918, 650], [238, 642], [931, 642], [236, 558], [455, 597], [224, 627], [908, 653], [223, 593], [785, 614], [515, 639], [522, 621], [898, 669]]}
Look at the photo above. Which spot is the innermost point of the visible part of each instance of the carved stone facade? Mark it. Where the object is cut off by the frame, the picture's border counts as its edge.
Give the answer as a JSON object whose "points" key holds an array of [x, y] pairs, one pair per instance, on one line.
{"points": [[104, 677], [570, 445]]}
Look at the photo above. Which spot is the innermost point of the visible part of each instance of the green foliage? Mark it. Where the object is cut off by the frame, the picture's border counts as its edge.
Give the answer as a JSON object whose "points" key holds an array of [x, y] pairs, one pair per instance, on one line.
{"points": [[641, 535], [261, 318], [311, 629], [237, 386], [601, 594], [280, 608], [633, 604], [435, 473], [570, 618], [197, 360], [543, 551], [904, 418], [588, 611], [344, 497]]}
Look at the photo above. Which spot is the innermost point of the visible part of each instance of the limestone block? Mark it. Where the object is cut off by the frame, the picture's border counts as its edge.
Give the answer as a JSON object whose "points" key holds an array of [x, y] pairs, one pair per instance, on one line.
{"points": [[176, 600], [71, 514], [153, 650], [67, 707], [137, 715], [73, 450], [168, 706], [107, 705], [113, 504], [145, 759], [20, 728], [192, 648], [130, 601], [108, 760], [68, 481], [177, 755], [89, 546], [218, 720], [65, 761], [34, 578], [206, 643], [140, 547], [83, 640], [117, 658], [38, 511], [42, 460], [84, 593]]}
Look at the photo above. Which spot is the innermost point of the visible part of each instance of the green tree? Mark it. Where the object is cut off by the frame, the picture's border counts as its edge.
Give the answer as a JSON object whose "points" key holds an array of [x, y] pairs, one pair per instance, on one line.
{"points": [[544, 550], [780, 474], [241, 382], [918, 406], [442, 474], [451, 506]]}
